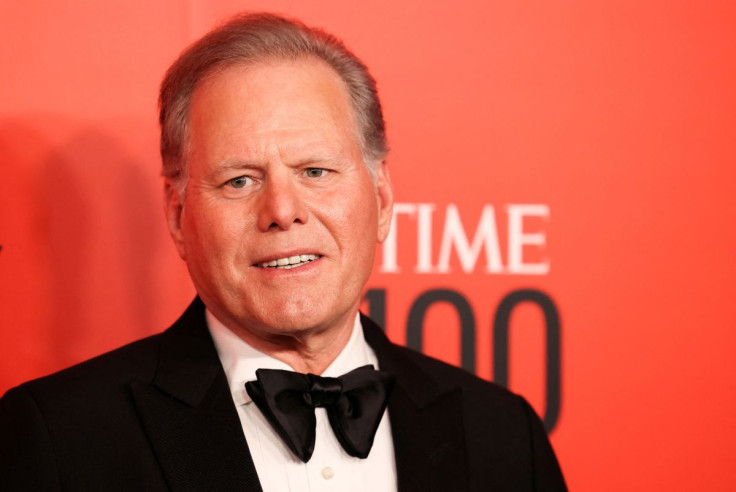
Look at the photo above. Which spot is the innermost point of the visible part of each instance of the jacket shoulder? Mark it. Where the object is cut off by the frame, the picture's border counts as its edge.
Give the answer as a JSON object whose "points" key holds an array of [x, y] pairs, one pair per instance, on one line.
{"points": [[136, 360], [505, 440], [448, 375], [423, 369]]}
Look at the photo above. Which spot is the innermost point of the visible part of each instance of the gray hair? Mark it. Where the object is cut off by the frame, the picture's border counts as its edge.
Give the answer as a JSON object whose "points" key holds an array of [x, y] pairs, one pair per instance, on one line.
{"points": [[250, 38]]}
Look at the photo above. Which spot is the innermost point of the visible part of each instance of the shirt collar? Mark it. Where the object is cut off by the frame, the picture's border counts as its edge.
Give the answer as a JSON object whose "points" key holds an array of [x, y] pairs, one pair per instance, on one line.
{"points": [[240, 361]]}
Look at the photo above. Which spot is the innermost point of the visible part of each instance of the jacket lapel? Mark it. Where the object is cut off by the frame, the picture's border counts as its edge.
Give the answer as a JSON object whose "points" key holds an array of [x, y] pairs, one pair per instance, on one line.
{"points": [[426, 422], [188, 413]]}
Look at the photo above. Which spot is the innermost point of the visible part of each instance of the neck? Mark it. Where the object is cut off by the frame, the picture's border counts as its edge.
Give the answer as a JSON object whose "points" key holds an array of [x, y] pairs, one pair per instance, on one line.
{"points": [[309, 350]]}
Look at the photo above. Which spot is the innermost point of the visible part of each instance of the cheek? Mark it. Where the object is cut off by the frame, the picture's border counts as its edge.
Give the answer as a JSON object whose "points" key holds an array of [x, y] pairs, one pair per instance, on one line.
{"points": [[209, 228], [356, 223]]}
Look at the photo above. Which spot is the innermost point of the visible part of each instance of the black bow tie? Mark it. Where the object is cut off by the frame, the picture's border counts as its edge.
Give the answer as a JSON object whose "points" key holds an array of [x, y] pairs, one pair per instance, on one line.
{"points": [[355, 403]]}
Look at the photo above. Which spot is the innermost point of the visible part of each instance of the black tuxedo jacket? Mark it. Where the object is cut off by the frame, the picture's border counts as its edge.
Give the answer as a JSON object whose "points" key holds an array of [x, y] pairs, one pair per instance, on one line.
{"points": [[157, 415]]}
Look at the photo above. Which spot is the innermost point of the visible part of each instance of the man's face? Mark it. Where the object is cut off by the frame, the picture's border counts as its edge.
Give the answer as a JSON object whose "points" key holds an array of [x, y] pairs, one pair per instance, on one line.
{"points": [[276, 175]]}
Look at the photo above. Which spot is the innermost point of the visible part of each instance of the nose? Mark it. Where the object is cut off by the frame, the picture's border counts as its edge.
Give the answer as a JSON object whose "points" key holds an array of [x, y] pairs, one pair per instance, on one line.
{"points": [[281, 204]]}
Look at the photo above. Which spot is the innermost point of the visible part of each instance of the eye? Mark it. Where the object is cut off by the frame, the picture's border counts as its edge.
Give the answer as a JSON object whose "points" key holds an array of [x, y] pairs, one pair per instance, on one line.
{"points": [[240, 182], [316, 172]]}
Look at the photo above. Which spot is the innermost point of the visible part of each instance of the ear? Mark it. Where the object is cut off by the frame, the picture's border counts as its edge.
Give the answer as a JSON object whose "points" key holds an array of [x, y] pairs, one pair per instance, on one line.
{"points": [[174, 210], [385, 197]]}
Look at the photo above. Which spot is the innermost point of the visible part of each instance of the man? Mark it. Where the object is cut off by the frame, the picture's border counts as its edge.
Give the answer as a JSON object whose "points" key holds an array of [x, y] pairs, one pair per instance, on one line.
{"points": [[276, 193]]}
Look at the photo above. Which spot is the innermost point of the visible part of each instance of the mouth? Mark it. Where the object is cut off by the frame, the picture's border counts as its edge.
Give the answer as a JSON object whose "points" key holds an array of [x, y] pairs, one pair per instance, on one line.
{"points": [[289, 262]]}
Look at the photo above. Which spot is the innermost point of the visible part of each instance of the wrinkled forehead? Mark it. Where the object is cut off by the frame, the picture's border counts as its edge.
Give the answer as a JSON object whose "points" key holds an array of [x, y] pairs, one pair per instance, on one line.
{"points": [[290, 102], [302, 77], [274, 87]]}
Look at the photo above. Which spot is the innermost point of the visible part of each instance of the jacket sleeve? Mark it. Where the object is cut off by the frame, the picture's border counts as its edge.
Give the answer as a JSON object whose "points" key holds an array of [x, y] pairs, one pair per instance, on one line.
{"points": [[27, 459], [547, 473]]}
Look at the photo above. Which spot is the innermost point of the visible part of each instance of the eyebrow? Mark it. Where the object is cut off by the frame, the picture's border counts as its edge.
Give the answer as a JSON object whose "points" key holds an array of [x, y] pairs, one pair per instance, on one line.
{"points": [[232, 165], [316, 157], [238, 164], [311, 159]]}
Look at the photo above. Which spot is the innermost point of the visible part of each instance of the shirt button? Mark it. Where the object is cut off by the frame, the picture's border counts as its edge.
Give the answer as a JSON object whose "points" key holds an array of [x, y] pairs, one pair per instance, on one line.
{"points": [[328, 473]]}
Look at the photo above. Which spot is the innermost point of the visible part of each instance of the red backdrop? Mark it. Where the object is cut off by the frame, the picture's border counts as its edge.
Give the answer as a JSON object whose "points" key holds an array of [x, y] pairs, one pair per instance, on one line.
{"points": [[580, 152]]}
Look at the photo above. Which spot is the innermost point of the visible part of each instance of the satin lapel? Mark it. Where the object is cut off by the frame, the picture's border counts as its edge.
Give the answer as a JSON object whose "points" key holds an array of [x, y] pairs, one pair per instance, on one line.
{"points": [[426, 422], [189, 415]]}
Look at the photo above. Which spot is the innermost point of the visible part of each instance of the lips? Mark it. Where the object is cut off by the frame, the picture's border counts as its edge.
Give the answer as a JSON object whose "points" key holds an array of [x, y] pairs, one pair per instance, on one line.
{"points": [[289, 262]]}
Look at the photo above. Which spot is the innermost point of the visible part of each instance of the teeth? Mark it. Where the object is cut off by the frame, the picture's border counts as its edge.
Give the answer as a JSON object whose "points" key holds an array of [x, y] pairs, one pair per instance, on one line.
{"points": [[290, 262]]}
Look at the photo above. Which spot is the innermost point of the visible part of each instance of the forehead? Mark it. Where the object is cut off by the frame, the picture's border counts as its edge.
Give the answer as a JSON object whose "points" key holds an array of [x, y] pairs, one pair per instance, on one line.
{"points": [[272, 94]]}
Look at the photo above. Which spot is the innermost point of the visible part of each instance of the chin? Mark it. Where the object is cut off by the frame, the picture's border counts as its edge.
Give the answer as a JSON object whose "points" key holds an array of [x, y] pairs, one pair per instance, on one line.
{"points": [[293, 321], [298, 317]]}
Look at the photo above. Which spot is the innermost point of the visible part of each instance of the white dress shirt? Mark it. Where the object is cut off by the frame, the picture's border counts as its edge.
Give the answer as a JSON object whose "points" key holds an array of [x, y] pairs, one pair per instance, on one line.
{"points": [[330, 468]]}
